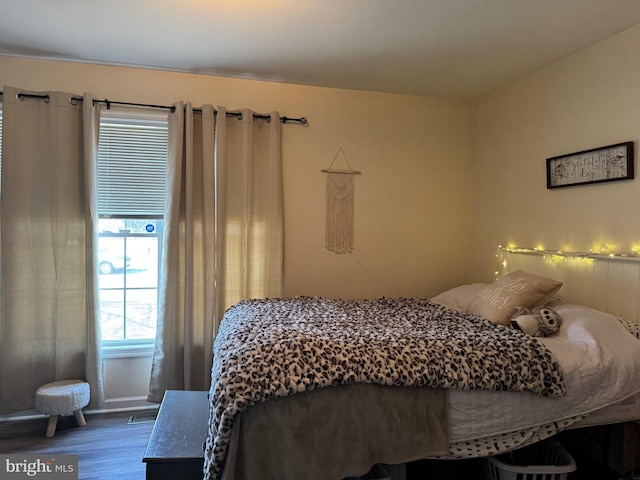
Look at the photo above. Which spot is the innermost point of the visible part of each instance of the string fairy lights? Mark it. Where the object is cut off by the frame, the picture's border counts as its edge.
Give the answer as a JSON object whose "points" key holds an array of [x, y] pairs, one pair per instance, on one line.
{"points": [[561, 255], [602, 254]]}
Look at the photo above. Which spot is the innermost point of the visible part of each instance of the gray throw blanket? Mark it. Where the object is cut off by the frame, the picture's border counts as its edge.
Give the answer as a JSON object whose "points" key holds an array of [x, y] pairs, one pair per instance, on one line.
{"points": [[273, 348]]}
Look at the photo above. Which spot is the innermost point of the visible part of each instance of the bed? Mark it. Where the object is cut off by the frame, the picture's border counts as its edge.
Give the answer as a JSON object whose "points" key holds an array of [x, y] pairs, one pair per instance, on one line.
{"points": [[324, 389]]}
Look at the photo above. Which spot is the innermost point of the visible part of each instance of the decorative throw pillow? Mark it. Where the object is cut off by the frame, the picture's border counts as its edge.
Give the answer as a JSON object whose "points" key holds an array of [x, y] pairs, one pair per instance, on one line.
{"points": [[498, 301]]}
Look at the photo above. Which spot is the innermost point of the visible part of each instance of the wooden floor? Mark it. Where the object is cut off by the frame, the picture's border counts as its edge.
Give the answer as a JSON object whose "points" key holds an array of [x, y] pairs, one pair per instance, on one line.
{"points": [[107, 447]]}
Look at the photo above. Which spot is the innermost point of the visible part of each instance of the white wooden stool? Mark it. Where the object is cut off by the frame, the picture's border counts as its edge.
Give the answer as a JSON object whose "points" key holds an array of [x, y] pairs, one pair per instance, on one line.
{"points": [[62, 397]]}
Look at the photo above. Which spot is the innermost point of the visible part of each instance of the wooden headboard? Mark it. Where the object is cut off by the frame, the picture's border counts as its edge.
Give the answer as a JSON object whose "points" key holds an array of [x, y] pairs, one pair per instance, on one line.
{"points": [[610, 283]]}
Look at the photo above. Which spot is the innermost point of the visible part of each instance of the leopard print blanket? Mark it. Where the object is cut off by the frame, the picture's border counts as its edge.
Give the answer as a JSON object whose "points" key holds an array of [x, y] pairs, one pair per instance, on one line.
{"points": [[276, 347]]}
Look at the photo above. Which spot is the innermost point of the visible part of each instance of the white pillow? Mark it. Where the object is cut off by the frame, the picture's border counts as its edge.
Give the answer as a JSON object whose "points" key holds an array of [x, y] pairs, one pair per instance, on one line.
{"points": [[458, 298]]}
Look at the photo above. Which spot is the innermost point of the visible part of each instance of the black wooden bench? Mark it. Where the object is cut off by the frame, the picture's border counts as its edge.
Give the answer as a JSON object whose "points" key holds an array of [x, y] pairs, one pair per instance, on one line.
{"points": [[175, 449]]}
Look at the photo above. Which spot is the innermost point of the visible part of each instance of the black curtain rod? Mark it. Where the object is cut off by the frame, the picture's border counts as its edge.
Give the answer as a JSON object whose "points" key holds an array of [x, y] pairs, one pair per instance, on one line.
{"points": [[108, 103]]}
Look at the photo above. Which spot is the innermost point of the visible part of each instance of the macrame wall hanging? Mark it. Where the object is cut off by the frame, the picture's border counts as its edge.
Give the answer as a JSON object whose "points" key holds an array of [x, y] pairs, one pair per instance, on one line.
{"points": [[340, 194]]}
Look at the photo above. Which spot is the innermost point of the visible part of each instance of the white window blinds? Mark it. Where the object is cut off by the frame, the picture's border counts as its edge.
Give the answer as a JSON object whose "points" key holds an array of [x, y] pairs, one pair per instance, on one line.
{"points": [[132, 163]]}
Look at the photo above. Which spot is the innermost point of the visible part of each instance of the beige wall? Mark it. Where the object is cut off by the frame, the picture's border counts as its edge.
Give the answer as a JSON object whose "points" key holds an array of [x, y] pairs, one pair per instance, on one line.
{"points": [[412, 200], [588, 100], [414, 203], [419, 224]]}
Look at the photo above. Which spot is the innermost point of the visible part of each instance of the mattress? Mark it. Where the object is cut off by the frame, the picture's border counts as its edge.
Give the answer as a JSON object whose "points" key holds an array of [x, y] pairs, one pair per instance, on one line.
{"points": [[600, 360]]}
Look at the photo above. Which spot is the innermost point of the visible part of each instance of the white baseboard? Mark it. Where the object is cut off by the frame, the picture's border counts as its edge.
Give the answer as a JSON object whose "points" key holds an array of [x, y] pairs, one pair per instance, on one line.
{"points": [[125, 404], [111, 405], [24, 415]]}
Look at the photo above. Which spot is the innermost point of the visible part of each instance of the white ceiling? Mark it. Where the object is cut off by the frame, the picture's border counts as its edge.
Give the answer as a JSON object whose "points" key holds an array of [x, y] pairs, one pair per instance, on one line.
{"points": [[451, 48]]}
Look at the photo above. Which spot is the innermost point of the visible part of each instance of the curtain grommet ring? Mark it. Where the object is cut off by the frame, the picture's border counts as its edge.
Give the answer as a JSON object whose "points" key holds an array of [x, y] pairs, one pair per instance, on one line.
{"points": [[74, 101]]}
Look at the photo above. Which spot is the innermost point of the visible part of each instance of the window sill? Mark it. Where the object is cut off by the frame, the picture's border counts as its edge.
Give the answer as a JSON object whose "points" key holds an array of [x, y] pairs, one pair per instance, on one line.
{"points": [[127, 351]]}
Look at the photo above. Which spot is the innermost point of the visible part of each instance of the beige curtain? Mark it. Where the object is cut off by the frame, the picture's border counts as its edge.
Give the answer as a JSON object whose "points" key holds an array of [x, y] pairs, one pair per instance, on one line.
{"points": [[47, 332], [185, 297], [223, 235], [251, 212], [93, 348]]}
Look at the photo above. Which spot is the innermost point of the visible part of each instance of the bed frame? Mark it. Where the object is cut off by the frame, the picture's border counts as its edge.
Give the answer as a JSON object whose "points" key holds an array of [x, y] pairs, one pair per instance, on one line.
{"points": [[610, 284]]}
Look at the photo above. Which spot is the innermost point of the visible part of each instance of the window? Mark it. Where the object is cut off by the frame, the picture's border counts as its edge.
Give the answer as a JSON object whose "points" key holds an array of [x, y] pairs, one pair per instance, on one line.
{"points": [[128, 258], [132, 160]]}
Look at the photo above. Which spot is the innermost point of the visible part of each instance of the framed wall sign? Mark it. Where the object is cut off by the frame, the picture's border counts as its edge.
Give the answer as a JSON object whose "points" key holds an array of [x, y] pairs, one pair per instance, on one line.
{"points": [[604, 164]]}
